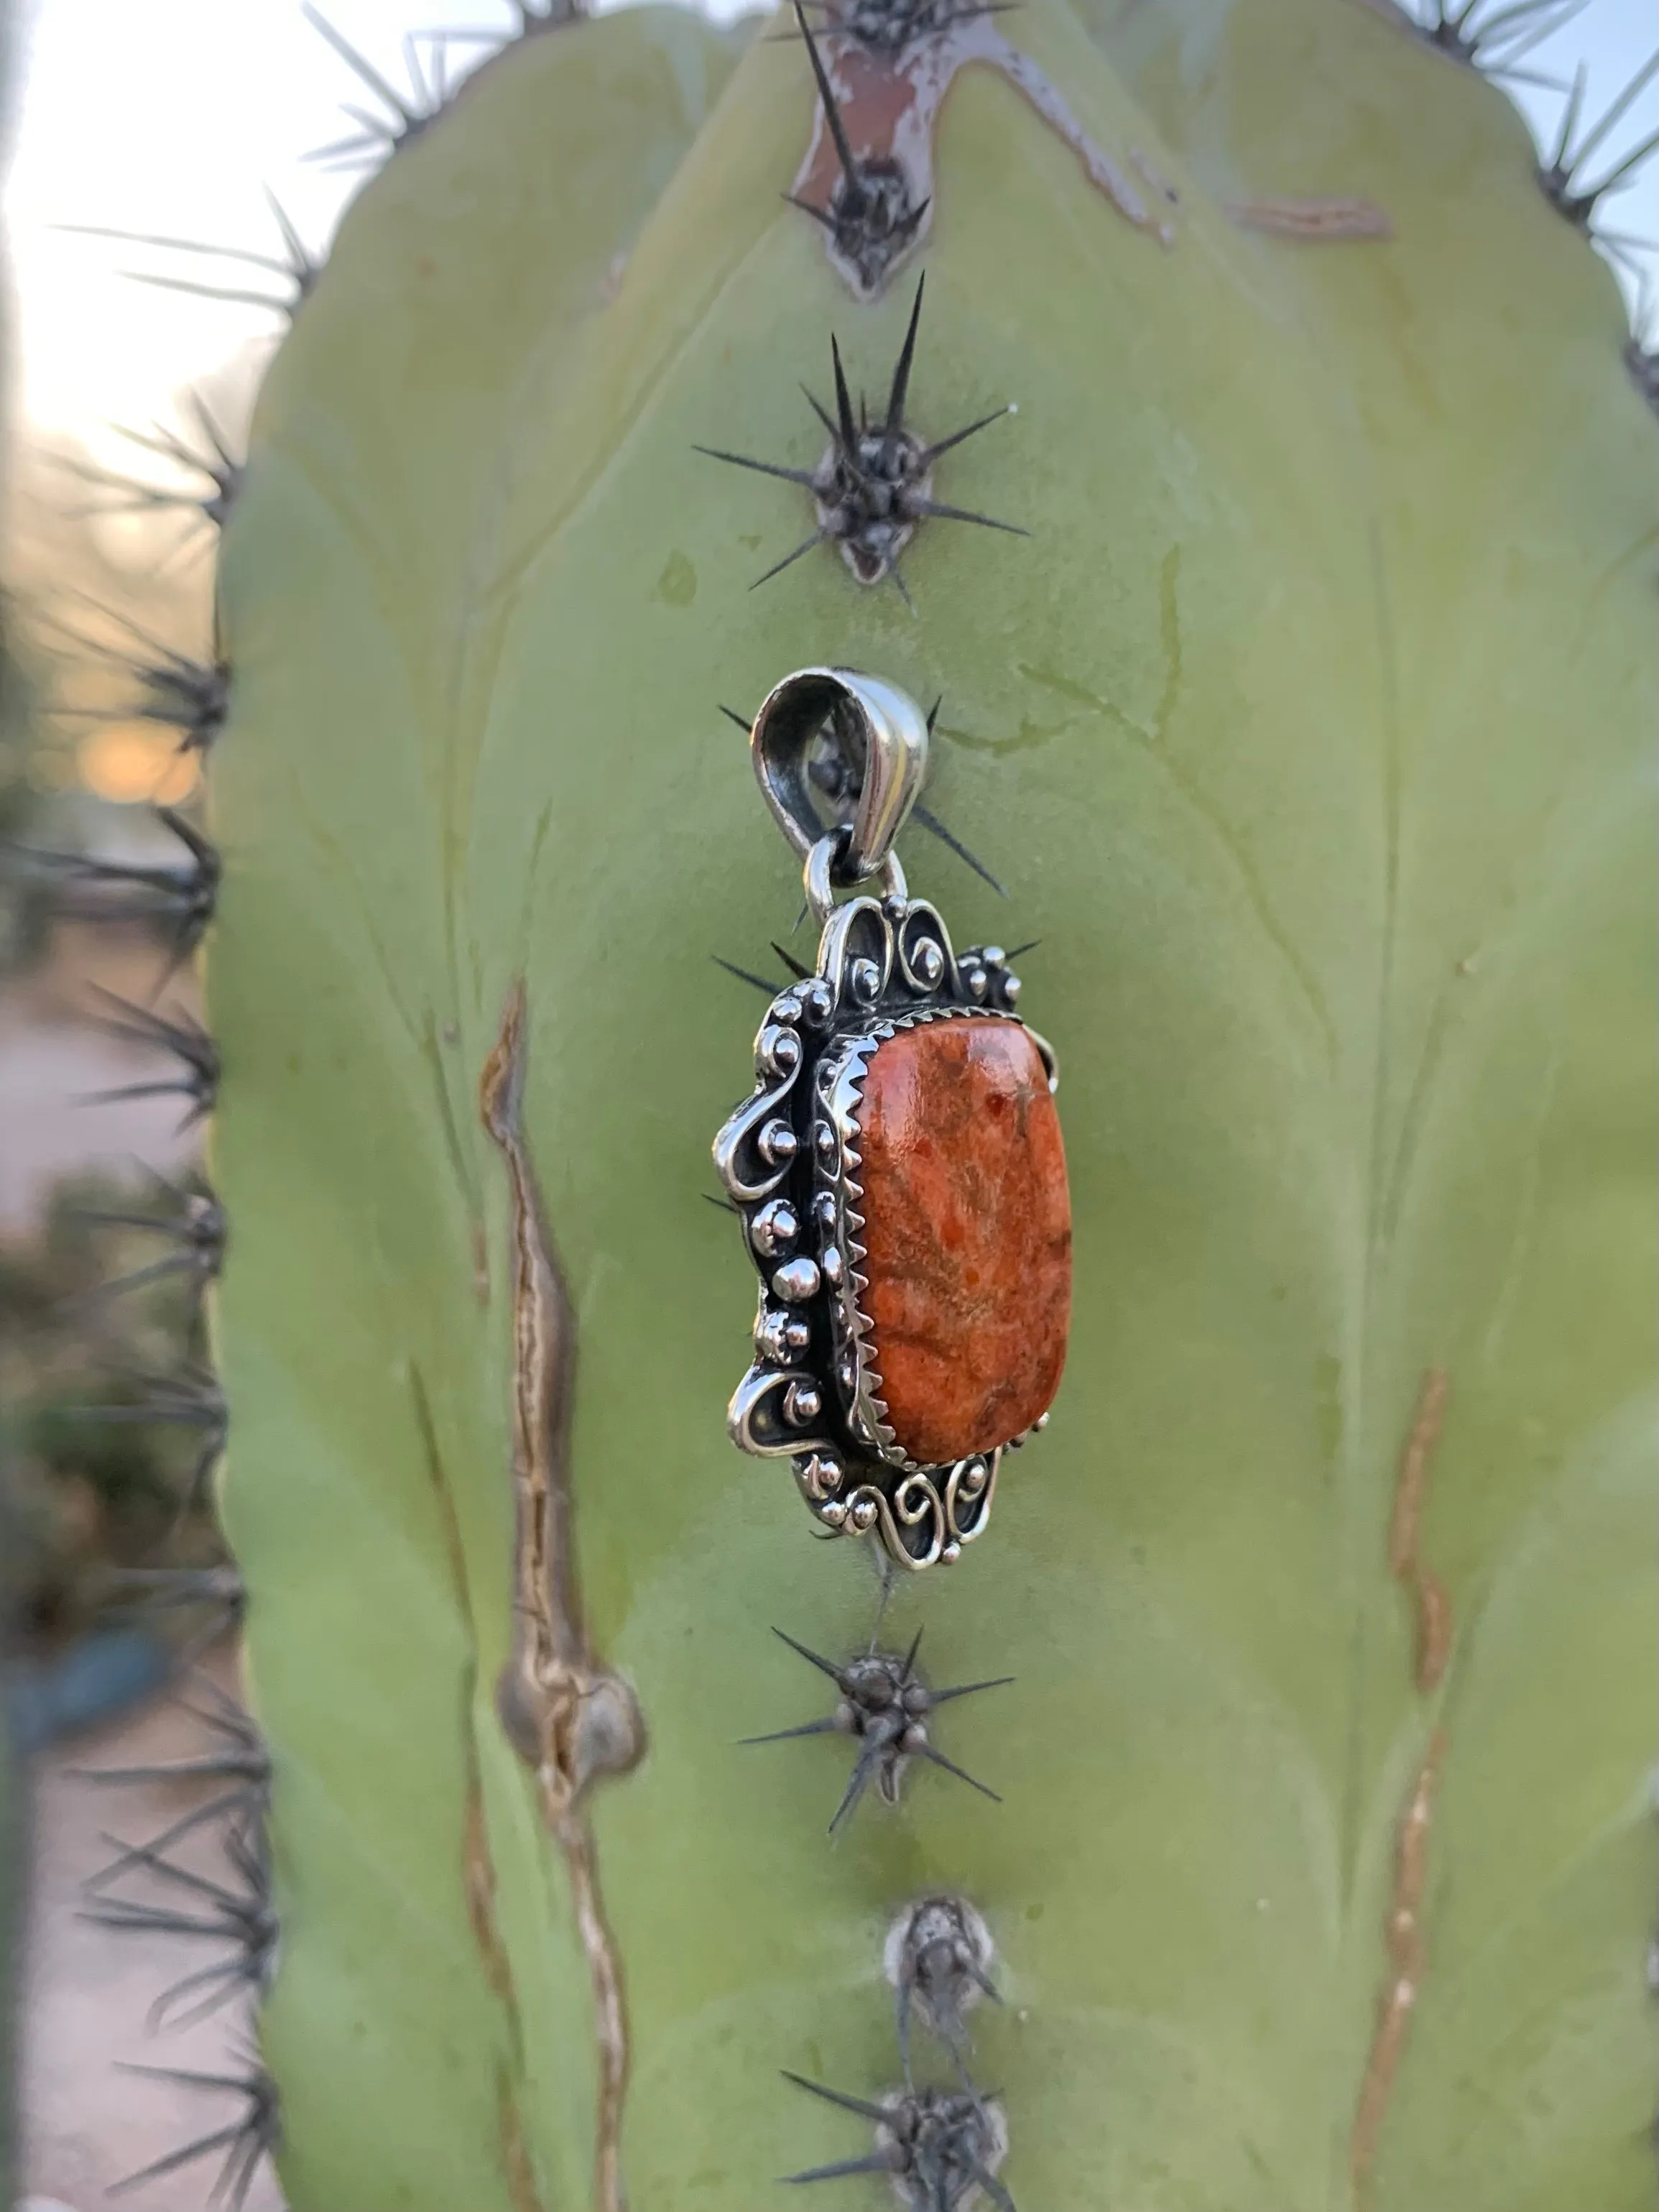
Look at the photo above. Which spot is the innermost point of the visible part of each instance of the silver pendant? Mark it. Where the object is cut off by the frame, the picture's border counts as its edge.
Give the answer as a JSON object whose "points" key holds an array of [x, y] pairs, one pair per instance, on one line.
{"points": [[898, 1168]]}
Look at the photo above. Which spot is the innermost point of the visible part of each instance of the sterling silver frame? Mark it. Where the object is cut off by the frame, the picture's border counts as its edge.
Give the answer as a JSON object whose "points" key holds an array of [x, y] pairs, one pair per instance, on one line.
{"points": [[789, 1160]]}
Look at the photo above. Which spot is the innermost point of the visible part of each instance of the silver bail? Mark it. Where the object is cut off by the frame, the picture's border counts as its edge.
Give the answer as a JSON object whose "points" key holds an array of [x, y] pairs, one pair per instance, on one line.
{"points": [[894, 732]]}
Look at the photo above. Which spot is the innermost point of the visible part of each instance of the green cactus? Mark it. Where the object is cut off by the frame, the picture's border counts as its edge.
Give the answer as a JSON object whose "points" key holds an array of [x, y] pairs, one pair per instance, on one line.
{"points": [[1307, 730]]}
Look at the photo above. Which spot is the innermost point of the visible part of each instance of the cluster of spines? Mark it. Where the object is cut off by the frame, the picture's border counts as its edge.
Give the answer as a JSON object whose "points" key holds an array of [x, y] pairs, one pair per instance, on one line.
{"points": [[939, 2146], [159, 1884]]}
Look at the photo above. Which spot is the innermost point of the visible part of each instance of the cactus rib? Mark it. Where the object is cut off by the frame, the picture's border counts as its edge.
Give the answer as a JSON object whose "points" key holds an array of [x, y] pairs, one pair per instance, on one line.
{"points": [[574, 1721]]}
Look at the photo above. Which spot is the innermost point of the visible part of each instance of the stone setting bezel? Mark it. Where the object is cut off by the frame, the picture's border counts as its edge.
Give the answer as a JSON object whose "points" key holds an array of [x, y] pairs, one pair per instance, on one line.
{"points": [[885, 966]]}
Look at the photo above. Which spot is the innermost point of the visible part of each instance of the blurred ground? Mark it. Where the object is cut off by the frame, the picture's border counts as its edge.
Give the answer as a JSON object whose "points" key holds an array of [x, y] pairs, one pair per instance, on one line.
{"points": [[87, 2123], [54, 1059]]}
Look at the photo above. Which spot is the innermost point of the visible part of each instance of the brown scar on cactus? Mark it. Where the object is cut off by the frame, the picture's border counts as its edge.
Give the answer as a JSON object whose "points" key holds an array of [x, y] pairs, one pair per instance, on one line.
{"points": [[1407, 1957], [1314, 221], [477, 1866], [886, 69], [1405, 1562], [573, 1721], [1404, 1933], [885, 1706], [875, 482], [869, 215]]}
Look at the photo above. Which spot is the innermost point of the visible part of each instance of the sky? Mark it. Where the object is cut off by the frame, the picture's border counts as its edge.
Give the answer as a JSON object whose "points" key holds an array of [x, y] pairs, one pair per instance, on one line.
{"points": [[174, 115]]}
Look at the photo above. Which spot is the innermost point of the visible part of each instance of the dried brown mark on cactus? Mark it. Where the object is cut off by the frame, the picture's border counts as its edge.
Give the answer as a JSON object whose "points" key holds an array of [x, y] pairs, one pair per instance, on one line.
{"points": [[868, 170], [1314, 221], [477, 1866], [573, 1720], [1407, 1956], [1405, 1562], [1404, 1932]]}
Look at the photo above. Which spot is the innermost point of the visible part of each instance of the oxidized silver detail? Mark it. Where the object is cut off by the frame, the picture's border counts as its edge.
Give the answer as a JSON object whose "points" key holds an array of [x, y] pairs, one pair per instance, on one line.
{"points": [[789, 1155]]}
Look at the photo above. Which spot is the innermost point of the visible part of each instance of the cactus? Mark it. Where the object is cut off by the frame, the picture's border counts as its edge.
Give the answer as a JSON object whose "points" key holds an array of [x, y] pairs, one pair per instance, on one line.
{"points": [[1308, 731]]}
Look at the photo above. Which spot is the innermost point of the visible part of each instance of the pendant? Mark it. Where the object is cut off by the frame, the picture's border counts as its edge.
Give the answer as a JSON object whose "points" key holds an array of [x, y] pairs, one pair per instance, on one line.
{"points": [[898, 1169]]}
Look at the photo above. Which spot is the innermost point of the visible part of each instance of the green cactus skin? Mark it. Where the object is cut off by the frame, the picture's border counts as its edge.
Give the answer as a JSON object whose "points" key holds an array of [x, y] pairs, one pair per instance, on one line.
{"points": [[1310, 732]]}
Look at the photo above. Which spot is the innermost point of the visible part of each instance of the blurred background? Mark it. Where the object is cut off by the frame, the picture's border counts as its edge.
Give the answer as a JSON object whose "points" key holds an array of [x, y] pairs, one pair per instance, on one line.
{"points": [[212, 132]]}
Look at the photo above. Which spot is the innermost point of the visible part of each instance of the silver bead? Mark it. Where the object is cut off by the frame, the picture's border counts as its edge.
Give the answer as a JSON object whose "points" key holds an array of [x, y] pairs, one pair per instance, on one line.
{"points": [[830, 1261], [823, 1211], [771, 1336], [822, 1474], [866, 979], [951, 1552], [816, 1002], [796, 1281], [993, 956], [833, 1513], [864, 1513], [779, 1050], [928, 961], [778, 1142], [774, 1228], [802, 1404], [797, 1334], [1011, 989], [826, 1144], [974, 980]]}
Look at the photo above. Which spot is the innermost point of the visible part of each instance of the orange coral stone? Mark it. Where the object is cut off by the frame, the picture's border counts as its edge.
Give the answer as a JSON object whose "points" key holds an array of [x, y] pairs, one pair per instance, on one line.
{"points": [[968, 1235]]}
